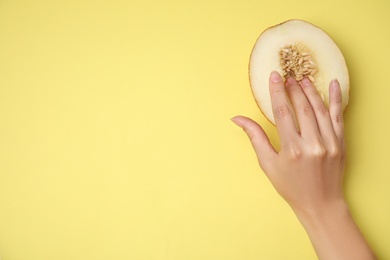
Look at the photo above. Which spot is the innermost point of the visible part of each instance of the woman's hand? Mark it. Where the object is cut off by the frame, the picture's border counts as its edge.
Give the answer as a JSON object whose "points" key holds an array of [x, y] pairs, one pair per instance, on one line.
{"points": [[308, 170]]}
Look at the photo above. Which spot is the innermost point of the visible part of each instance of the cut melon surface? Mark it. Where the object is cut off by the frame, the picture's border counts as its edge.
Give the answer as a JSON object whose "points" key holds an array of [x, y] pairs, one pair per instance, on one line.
{"points": [[299, 49]]}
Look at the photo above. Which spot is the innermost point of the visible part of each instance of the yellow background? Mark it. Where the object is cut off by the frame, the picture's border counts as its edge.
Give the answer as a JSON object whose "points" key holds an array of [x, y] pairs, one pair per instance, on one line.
{"points": [[115, 138]]}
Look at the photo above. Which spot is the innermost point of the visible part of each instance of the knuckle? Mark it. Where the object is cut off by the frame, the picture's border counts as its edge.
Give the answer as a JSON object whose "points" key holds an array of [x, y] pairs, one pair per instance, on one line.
{"points": [[306, 109], [251, 136], [319, 151], [251, 133], [295, 153], [277, 90], [323, 111], [334, 152], [282, 111], [337, 118]]}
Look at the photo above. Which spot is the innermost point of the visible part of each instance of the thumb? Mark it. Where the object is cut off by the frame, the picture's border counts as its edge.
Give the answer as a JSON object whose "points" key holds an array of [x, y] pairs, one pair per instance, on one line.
{"points": [[264, 150]]}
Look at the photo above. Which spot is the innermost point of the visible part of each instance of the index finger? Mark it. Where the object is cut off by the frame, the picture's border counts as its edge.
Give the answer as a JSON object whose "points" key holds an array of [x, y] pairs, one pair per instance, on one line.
{"points": [[282, 108]]}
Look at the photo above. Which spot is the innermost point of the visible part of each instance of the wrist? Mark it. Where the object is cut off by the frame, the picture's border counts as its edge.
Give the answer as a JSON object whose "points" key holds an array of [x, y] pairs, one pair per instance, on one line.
{"points": [[333, 232], [322, 213]]}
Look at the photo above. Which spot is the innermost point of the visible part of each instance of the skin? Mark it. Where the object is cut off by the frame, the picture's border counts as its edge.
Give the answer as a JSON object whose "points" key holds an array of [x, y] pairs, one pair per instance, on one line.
{"points": [[308, 170]]}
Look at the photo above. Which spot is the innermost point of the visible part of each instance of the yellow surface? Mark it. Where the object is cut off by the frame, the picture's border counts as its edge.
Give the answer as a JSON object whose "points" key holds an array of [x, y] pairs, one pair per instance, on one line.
{"points": [[115, 138]]}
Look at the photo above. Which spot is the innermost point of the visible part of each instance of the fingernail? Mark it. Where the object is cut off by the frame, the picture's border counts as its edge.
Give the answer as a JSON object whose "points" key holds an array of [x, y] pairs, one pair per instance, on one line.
{"points": [[290, 81], [306, 82], [334, 84], [275, 77], [235, 120]]}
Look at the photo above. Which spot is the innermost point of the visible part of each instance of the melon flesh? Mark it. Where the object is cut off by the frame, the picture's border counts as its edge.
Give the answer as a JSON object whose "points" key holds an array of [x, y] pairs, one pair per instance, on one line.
{"points": [[307, 38]]}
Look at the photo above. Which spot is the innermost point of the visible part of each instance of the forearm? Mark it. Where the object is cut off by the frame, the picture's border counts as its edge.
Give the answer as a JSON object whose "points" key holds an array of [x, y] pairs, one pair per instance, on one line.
{"points": [[334, 234]]}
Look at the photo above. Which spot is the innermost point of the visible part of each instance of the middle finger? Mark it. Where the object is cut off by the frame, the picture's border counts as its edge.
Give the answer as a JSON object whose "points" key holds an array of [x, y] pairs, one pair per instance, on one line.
{"points": [[303, 110]]}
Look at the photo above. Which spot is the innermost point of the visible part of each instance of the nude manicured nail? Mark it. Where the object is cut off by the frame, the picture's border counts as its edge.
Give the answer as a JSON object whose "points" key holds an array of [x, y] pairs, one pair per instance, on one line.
{"points": [[306, 82], [236, 120], [334, 84], [275, 77], [291, 81]]}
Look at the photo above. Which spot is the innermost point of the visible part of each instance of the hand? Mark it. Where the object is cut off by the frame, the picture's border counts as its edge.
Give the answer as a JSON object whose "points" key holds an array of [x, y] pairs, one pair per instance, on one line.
{"points": [[308, 170]]}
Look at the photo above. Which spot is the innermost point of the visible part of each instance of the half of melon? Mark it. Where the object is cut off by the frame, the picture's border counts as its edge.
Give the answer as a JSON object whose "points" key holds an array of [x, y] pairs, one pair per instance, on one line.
{"points": [[298, 49]]}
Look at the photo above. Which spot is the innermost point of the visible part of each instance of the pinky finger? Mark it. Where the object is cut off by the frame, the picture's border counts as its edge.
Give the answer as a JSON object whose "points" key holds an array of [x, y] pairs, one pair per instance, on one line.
{"points": [[336, 109]]}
